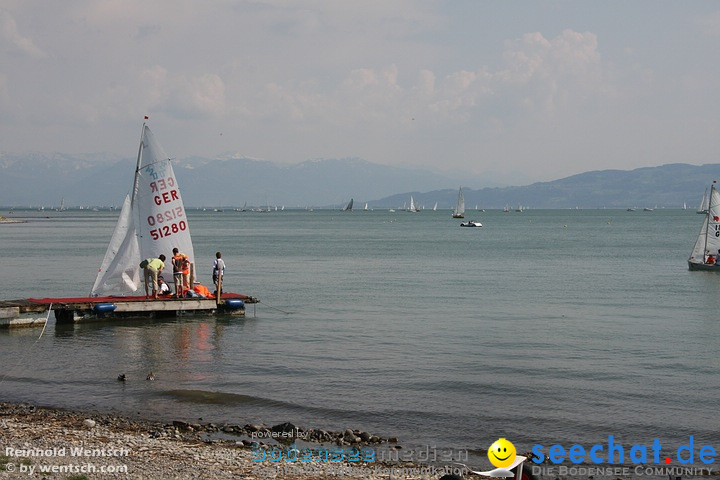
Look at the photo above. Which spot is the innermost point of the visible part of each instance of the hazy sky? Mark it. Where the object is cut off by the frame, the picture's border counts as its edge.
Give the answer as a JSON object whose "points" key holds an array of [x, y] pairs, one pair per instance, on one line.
{"points": [[545, 89]]}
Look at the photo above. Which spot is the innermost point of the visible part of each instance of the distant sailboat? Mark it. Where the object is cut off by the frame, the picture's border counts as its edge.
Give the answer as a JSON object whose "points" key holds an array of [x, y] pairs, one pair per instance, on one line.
{"points": [[435, 207], [366, 207], [348, 206], [459, 211], [412, 208], [703, 209]]}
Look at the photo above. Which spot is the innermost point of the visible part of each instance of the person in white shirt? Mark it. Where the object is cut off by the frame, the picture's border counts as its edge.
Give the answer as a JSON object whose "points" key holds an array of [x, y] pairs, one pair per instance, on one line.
{"points": [[218, 272]]}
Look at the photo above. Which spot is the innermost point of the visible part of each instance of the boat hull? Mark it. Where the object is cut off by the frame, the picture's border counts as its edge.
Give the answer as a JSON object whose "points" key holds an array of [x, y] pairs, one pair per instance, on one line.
{"points": [[703, 267]]}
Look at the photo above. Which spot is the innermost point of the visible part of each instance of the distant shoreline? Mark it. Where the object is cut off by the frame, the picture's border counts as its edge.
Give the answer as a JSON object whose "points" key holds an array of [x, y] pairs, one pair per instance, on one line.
{"points": [[11, 220]]}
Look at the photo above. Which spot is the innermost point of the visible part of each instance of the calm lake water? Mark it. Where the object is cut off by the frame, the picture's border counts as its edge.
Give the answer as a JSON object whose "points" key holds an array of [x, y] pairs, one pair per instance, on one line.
{"points": [[546, 327]]}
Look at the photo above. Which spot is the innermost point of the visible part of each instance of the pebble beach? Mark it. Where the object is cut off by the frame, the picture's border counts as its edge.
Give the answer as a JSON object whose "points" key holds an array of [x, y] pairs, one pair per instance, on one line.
{"points": [[39, 442], [10, 220]]}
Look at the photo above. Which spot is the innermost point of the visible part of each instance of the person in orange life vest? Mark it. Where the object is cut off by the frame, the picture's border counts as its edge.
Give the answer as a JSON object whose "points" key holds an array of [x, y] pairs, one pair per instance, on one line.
{"points": [[710, 260], [181, 271]]}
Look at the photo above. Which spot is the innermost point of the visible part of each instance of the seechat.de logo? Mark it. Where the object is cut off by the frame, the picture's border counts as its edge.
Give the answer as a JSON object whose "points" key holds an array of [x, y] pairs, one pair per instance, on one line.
{"points": [[502, 453]]}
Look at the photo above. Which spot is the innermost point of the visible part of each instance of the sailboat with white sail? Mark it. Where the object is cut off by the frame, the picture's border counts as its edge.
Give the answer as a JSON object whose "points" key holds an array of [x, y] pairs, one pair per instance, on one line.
{"points": [[412, 208], [152, 222], [459, 211], [705, 253], [703, 208]]}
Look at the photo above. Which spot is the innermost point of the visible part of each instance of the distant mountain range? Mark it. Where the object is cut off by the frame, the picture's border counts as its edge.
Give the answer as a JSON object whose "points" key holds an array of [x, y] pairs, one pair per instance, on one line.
{"points": [[47, 179], [666, 186], [102, 180]]}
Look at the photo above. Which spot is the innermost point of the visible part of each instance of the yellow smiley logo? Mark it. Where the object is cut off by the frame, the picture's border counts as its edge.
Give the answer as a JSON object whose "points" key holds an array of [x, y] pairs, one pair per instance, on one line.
{"points": [[502, 453]]}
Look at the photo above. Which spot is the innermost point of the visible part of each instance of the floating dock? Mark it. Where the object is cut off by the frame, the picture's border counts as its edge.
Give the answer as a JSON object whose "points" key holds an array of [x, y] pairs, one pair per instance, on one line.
{"points": [[35, 311]]}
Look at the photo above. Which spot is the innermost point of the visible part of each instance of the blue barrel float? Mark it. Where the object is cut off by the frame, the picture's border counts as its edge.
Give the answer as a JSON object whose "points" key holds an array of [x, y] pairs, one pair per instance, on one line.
{"points": [[104, 307], [234, 304]]}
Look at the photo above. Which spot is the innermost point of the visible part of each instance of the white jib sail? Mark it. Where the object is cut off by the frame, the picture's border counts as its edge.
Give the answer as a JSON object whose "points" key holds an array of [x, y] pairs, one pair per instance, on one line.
{"points": [[119, 271], [708, 241], [162, 223]]}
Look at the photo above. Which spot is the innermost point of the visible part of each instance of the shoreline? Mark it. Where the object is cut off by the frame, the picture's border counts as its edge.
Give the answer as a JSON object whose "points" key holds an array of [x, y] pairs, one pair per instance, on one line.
{"points": [[37, 441], [11, 220]]}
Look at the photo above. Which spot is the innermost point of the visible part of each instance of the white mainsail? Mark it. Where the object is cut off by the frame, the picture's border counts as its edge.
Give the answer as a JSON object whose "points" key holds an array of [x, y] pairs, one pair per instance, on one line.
{"points": [[154, 224], [162, 223], [460, 207], [703, 208], [708, 240], [412, 205]]}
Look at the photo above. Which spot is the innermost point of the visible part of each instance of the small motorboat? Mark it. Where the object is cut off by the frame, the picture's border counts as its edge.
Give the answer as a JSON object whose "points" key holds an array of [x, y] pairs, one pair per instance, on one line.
{"points": [[471, 224]]}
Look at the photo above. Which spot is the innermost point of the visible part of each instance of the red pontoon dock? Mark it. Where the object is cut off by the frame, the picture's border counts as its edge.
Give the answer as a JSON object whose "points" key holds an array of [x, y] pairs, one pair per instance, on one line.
{"points": [[34, 311]]}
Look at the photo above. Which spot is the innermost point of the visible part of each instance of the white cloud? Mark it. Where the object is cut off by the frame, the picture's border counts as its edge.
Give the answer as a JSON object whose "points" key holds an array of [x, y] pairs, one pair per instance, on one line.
{"points": [[4, 97], [406, 80], [555, 72], [14, 40], [710, 24], [182, 96]]}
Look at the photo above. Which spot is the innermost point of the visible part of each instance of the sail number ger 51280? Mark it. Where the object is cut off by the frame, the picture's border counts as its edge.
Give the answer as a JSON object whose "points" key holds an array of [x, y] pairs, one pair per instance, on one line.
{"points": [[168, 228]]}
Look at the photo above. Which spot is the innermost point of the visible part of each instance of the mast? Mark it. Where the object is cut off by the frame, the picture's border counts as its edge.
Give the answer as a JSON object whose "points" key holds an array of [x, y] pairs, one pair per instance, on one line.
{"points": [[707, 217], [137, 165]]}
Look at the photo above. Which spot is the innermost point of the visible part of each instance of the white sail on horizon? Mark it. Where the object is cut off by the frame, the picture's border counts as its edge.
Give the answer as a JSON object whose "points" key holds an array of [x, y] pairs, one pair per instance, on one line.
{"points": [[460, 207], [412, 208], [703, 208]]}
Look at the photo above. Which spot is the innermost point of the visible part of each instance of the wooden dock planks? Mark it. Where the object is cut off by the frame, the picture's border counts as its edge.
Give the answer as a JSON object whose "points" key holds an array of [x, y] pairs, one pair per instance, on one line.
{"points": [[28, 312]]}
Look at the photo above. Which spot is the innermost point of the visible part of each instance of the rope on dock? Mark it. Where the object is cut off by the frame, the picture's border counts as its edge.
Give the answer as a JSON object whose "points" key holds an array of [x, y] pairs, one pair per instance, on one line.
{"points": [[46, 320], [22, 360]]}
